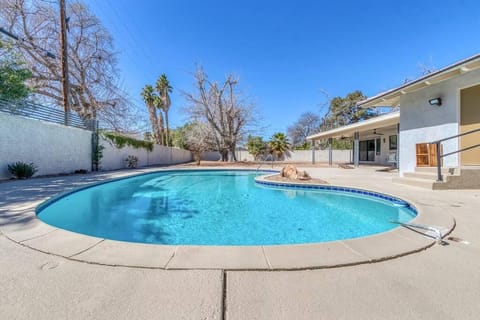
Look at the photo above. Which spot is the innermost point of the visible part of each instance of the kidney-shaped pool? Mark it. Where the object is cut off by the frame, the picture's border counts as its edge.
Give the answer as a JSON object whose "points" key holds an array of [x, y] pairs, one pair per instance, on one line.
{"points": [[221, 207]]}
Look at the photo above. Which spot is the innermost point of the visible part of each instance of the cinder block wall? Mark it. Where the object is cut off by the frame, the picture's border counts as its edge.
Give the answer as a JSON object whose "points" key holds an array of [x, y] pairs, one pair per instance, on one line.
{"points": [[292, 156], [52, 147], [114, 158], [57, 149]]}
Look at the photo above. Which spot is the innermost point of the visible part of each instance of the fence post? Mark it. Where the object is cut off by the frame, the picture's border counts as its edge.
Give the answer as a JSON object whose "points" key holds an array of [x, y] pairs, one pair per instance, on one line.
{"points": [[313, 151], [439, 159]]}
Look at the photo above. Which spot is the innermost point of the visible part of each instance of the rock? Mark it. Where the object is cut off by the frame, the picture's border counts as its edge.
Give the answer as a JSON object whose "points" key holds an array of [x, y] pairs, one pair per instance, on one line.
{"points": [[289, 171], [303, 176]]}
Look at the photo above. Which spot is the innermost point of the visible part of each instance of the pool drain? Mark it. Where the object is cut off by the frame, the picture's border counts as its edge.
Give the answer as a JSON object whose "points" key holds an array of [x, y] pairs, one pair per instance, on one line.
{"points": [[459, 240]]}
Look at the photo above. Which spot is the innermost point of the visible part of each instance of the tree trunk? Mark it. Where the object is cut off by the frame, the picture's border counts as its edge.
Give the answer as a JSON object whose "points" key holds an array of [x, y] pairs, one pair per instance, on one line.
{"points": [[154, 123], [161, 126], [167, 136], [197, 157], [233, 156], [224, 154]]}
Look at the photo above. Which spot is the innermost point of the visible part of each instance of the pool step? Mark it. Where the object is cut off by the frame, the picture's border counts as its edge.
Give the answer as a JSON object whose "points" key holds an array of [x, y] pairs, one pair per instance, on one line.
{"points": [[415, 182], [453, 178], [424, 177], [421, 175]]}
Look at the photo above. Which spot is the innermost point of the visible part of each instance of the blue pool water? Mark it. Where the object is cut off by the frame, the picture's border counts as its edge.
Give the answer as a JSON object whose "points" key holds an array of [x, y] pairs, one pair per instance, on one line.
{"points": [[219, 208]]}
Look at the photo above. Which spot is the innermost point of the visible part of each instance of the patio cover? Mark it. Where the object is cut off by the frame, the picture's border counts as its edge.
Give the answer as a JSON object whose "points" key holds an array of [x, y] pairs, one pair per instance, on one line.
{"points": [[353, 130], [348, 131]]}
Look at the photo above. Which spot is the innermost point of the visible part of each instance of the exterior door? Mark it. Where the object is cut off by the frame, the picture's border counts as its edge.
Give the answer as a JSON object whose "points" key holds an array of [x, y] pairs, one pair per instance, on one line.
{"points": [[367, 150], [427, 154], [470, 120]]}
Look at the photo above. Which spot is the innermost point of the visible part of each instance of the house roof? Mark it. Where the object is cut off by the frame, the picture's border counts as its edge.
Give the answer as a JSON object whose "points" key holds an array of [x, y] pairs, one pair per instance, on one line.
{"points": [[392, 97], [382, 121]]}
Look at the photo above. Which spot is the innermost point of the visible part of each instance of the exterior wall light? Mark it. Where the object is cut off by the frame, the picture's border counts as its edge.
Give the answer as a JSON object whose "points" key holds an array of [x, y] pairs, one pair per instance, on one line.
{"points": [[435, 102]]}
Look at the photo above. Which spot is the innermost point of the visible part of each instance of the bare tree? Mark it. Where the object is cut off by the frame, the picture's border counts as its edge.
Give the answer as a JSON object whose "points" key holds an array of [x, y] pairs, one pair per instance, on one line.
{"points": [[426, 67], [94, 91], [225, 110], [199, 138], [307, 124]]}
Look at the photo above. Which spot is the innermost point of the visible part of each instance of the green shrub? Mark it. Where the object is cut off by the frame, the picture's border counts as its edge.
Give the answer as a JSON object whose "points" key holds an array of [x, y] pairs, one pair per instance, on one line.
{"points": [[22, 170], [132, 161], [121, 141]]}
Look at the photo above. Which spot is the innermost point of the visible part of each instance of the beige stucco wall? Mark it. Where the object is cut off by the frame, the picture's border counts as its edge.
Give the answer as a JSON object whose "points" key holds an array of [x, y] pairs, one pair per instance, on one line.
{"points": [[52, 147]]}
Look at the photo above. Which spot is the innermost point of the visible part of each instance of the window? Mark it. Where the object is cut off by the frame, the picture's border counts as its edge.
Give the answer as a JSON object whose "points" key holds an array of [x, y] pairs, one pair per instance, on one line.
{"points": [[378, 147], [392, 142]]}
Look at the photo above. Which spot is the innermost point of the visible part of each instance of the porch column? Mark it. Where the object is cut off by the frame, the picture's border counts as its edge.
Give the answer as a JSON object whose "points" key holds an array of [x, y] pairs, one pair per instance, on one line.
{"points": [[330, 162], [356, 149], [313, 151], [398, 147]]}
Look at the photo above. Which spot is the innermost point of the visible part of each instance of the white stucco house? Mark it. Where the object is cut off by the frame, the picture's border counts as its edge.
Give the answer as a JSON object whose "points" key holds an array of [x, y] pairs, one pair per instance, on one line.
{"points": [[443, 107], [376, 139]]}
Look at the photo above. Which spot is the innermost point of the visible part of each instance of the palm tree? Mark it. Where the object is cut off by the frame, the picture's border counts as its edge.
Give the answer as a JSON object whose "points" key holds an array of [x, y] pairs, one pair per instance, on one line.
{"points": [[164, 88], [279, 145], [150, 99], [161, 125]]}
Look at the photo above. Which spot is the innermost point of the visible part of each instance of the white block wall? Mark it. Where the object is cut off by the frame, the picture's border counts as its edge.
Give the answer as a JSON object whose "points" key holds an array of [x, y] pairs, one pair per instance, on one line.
{"points": [[52, 147], [293, 156], [320, 156], [114, 158], [57, 149]]}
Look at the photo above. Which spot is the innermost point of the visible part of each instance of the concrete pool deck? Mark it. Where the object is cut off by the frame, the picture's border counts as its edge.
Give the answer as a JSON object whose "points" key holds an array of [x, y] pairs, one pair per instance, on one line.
{"points": [[231, 289]]}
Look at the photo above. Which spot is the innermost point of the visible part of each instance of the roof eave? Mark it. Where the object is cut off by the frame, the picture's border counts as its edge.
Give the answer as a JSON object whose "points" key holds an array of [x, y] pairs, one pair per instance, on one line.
{"points": [[377, 122], [392, 97]]}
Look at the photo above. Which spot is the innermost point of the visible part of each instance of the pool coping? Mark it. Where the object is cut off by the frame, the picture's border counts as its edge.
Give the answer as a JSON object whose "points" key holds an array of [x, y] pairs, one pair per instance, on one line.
{"points": [[379, 247]]}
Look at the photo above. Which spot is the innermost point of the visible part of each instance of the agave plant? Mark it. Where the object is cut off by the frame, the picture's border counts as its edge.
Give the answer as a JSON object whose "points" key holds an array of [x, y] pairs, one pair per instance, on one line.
{"points": [[22, 170]]}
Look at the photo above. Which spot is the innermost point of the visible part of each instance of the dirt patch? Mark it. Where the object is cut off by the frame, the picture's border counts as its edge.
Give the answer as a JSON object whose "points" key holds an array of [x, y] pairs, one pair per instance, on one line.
{"points": [[252, 164], [221, 164], [278, 178]]}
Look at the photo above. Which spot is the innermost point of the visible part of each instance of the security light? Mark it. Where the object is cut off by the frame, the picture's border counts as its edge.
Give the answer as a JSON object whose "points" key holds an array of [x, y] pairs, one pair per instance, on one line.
{"points": [[435, 102]]}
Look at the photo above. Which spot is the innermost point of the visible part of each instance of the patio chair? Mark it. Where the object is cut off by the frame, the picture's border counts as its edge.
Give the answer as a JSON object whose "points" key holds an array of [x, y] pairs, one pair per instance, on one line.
{"points": [[392, 158]]}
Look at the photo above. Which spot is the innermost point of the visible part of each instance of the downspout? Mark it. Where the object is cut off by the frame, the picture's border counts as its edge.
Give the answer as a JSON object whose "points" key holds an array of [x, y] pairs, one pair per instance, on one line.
{"points": [[398, 147]]}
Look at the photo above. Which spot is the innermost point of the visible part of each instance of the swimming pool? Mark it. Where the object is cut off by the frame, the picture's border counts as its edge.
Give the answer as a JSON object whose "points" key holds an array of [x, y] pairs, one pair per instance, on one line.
{"points": [[221, 207]]}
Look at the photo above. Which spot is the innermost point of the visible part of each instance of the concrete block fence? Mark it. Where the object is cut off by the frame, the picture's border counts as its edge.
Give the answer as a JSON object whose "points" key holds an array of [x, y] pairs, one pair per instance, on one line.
{"points": [[114, 158], [52, 147], [292, 156], [57, 149]]}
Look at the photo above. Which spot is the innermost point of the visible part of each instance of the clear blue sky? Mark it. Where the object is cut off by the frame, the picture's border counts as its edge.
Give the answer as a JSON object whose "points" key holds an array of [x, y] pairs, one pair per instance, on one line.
{"points": [[286, 52]]}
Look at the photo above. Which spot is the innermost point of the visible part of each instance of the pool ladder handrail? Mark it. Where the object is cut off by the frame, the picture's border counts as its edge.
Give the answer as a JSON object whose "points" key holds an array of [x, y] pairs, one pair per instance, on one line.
{"points": [[438, 233], [265, 159]]}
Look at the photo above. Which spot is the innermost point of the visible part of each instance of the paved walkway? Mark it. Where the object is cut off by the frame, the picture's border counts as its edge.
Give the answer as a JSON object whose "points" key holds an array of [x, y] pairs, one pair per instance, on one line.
{"points": [[441, 282]]}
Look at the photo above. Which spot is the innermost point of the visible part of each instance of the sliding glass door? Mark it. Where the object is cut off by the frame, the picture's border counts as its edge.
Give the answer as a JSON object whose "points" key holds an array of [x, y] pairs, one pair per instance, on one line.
{"points": [[367, 150]]}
